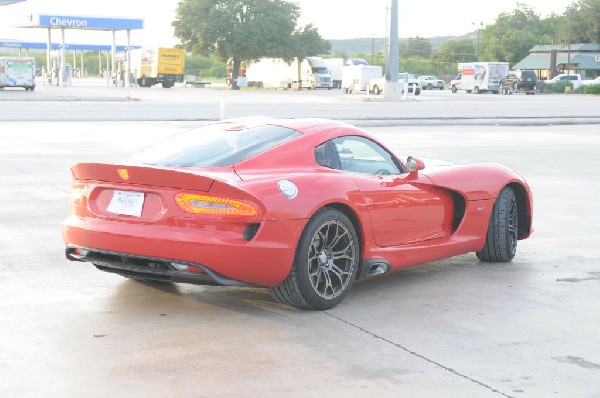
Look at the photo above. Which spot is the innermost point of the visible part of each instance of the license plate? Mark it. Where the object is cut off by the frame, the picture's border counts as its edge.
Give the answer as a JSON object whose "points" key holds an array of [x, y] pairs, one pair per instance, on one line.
{"points": [[128, 203]]}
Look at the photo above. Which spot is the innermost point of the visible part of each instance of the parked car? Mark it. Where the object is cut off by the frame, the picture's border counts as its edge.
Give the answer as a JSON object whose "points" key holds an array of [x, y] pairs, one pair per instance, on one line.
{"points": [[302, 207], [573, 78], [519, 81], [430, 82]]}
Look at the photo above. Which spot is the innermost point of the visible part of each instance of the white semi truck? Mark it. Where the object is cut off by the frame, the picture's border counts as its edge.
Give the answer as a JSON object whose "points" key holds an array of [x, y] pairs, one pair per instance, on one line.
{"points": [[479, 77], [277, 73], [17, 72]]}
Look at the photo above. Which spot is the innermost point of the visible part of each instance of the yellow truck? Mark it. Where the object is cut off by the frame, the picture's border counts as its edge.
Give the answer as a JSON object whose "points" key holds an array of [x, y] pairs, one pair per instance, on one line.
{"points": [[152, 66]]}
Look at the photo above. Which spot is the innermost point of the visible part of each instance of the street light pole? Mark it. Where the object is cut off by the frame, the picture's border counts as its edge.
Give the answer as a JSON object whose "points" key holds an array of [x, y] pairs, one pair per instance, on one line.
{"points": [[569, 10]]}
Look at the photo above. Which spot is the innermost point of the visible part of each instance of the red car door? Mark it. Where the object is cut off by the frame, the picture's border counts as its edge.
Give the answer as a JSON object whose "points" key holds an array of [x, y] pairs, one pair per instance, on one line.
{"points": [[405, 210], [404, 207]]}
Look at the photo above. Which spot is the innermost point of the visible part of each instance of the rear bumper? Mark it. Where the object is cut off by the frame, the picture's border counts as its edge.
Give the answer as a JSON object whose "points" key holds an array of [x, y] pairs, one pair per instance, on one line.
{"points": [[149, 268], [221, 250]]}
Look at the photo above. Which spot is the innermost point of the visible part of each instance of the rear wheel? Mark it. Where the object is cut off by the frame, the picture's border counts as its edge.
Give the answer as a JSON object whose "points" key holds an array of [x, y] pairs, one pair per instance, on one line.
{"points": [[429, 86], [325, 263], [503, 229]]}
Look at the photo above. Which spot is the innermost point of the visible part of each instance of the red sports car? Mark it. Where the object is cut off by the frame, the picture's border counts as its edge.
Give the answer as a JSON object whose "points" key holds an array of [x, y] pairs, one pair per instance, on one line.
{"points": [[300, 206]]}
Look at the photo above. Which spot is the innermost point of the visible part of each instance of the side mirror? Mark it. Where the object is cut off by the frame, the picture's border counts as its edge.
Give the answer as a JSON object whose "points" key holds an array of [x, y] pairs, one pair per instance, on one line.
{"points": [[414, 164]]}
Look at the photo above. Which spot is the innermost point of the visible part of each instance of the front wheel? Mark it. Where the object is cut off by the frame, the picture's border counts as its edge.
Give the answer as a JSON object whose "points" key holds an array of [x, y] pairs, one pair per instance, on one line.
{"points": [[325, 263], [454, 89], [503, 229], [476, 90]]}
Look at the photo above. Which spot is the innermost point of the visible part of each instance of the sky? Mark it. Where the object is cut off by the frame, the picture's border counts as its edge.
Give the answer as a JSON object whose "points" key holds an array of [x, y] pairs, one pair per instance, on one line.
{"points": [[335, 19]]}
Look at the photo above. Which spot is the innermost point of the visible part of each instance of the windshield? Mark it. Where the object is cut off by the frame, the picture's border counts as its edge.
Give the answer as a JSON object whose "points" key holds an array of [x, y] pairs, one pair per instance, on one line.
{"points": [[213, 146], [320, 70]]}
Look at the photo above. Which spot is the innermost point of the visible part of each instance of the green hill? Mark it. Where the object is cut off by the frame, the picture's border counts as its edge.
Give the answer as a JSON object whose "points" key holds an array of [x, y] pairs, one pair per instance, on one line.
{"points": [[367, 45]]}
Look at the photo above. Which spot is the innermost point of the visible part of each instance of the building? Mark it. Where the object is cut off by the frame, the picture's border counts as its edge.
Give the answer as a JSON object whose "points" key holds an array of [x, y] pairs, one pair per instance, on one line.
{"points": [[580, 58]]}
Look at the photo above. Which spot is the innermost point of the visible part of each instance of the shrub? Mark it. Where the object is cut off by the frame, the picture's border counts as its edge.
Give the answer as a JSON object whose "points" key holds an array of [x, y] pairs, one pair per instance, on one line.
{"points": [[559, 87], [592, 89]]}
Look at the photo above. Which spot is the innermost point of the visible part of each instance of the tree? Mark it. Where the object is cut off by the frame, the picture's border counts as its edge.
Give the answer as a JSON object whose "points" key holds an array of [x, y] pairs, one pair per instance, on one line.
{"points": [[453, 51], [581, 23], [415, 47], [240, 30], [512, 35], [307, 42]]}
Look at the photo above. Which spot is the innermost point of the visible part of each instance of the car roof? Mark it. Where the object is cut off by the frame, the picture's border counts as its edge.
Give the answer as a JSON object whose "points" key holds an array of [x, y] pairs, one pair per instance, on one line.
{"points": [[305, 126]]}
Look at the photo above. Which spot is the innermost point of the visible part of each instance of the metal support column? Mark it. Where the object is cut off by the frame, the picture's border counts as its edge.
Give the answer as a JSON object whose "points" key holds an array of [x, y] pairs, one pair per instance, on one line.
{"points": [[128, 75], [113, 51], [63, 65], [48, 50]]}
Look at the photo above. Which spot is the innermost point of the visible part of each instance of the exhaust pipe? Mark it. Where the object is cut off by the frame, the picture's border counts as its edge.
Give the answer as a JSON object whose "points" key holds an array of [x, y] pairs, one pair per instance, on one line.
{"points": [[377, 268]]}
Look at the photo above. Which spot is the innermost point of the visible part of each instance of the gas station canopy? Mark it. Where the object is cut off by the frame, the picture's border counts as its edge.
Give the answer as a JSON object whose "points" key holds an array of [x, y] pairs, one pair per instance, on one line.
{"points": [[80, 22], [69, 22], [7, 2]]}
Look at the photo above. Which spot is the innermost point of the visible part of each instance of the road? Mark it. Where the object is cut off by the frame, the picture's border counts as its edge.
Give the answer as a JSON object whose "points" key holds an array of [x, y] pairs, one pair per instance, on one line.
{"points": [[453, 328], [83, 103]]}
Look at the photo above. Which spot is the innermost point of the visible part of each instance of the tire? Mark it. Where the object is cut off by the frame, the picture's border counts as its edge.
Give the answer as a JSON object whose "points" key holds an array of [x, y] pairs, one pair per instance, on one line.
{"points": [[476, 90], [167, 85], [453, 89], [503, 228], [143, 82], [325, 264], [376, 90], [429, 87], [515, 86]]}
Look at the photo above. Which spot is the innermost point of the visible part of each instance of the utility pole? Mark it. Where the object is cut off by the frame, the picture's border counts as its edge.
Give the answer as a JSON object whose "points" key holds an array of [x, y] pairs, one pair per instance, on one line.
{"points": [[477, 48]]}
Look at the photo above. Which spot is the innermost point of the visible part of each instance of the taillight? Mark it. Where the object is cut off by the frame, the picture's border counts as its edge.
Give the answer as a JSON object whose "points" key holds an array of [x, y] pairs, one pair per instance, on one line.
{"points": [[212, 205], [78, 191]]}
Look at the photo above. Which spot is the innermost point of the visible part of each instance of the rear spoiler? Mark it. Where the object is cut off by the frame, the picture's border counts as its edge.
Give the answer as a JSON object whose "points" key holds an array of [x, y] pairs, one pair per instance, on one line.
{"points": [[142, 175]]}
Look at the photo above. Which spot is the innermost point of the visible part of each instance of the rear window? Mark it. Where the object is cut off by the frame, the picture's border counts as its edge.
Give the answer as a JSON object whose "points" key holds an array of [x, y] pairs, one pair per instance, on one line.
{"points": [[212, 146], [529, 74]]}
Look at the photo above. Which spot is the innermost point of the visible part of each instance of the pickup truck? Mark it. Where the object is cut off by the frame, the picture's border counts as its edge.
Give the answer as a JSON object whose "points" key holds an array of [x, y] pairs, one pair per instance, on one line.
{"points": [[430, 82], [574, 78], [591, 82]]}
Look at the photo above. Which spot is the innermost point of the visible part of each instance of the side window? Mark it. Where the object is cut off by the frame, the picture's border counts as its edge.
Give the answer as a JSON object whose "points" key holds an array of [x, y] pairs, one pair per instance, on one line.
{"points": [[326, 155], [361, 155]]}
